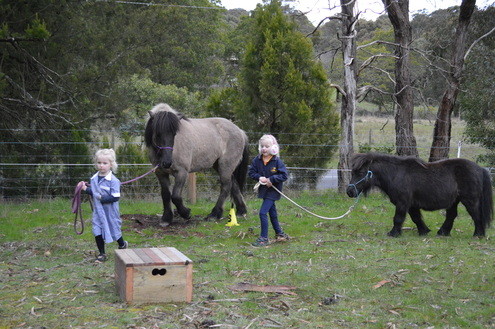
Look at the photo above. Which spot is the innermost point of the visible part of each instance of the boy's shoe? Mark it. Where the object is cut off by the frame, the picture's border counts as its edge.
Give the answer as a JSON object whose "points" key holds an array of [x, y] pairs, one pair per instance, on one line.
{"points": [[124, 246], [260, 242], [282, 237], [101, 258]]}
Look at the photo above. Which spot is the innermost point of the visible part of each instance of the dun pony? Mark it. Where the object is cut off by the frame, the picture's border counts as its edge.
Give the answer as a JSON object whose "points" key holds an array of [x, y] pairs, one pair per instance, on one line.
{"points": [[179, 145]]}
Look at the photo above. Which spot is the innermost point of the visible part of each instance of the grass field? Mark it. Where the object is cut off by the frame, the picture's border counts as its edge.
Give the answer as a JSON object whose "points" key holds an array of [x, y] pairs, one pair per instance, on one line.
{"points": [[347, 272]]}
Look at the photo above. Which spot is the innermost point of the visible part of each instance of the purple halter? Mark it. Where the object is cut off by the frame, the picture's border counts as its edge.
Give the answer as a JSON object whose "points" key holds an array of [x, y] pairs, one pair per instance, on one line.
{"points": [[164, 147]]}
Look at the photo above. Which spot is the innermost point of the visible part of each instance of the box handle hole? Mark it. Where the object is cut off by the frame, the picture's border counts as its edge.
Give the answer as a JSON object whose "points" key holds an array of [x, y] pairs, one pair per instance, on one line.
{"points": [[160, 271]]}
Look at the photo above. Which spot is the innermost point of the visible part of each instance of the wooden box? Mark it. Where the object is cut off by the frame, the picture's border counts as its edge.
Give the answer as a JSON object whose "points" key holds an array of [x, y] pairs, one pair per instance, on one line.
{"points": [[153, 275]]}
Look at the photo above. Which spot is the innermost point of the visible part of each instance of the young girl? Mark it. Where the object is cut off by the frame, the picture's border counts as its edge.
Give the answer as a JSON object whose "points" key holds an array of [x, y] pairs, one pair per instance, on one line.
{"points": [[105, 190], [269, 170]]}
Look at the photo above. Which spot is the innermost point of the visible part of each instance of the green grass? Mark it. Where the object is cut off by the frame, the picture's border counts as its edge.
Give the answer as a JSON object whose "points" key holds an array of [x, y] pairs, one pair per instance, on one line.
{"points": [[48, 278]]}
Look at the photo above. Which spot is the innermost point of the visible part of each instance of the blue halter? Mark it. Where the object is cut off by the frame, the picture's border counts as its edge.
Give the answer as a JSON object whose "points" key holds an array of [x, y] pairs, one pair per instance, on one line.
{"points": [[368, 175]]}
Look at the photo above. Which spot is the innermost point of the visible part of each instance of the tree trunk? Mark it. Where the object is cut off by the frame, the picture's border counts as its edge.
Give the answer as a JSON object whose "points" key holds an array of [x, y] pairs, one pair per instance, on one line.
{"points": [[348, 108], [440, 146], [398, 13]]}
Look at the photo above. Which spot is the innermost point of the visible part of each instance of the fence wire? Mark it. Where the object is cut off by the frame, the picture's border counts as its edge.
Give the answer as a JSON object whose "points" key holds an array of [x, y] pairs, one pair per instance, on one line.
{"points": [[33, 172]]}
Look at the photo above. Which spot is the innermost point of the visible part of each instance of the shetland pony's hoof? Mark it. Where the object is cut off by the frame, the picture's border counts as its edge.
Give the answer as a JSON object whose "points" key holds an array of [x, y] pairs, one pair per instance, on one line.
{"points": [[211, 219], [424, 232], [394, 234], [187, 215], [164, 224], [443, 233], [215, 214]]}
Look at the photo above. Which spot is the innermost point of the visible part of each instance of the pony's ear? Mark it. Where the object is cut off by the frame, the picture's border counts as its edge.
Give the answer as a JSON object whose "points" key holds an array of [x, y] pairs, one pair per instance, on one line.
{"points": [[181, 116]]}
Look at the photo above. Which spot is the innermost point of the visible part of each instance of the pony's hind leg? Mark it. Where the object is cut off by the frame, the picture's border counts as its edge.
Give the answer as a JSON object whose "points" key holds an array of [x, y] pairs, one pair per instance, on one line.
{"points": [[473, 208], [416, 217], [240, 205], [449, 221]]}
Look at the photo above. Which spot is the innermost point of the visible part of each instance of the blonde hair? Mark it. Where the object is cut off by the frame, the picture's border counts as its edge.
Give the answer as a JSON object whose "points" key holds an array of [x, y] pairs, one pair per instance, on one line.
{"points": [[108, 154], [274, 149]]}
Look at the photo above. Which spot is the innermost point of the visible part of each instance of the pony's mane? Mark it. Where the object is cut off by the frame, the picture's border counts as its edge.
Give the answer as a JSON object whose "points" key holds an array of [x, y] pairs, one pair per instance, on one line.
{"points": [[163, 118], [363, 159]]}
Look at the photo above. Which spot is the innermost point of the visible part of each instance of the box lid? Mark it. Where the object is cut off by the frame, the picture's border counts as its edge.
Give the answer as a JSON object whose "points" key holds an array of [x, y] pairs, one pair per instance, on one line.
{"points": [[152, 256]]}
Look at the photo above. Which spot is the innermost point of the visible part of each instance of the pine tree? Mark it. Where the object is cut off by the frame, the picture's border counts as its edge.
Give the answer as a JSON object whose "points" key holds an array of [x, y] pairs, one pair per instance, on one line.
{"points": [[285, 90]]}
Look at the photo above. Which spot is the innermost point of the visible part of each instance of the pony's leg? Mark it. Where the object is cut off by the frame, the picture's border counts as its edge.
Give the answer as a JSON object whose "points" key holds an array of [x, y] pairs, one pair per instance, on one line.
{"points": [[225, 186], [399, 217], [473, 210], [416, 217], [168, 215], [180, 181], [449, 221], [240, 205]]}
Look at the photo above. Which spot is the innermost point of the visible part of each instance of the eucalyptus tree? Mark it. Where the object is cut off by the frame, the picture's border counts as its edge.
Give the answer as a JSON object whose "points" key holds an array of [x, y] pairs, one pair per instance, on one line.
{"points": [[398, 13]]}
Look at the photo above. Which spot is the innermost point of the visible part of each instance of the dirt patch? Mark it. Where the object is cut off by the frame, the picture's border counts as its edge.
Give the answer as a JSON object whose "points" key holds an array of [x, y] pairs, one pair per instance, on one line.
{"points": [[179, 226]]}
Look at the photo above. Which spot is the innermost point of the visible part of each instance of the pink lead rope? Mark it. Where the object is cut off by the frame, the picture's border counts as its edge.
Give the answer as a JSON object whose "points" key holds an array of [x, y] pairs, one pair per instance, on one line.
{"points": [[76, 207], [76, 201]]}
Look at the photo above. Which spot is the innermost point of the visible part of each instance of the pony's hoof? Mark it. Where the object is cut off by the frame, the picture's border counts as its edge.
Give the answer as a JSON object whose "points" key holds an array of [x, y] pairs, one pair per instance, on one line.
{"points": [[394, 234], [211, 219], [424, 232], [443, 233], [215, 214], [164, 224]]}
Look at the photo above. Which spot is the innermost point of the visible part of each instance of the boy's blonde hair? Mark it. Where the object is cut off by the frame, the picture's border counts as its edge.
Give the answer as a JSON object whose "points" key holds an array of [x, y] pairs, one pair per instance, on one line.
{"points": [[108, 154]]}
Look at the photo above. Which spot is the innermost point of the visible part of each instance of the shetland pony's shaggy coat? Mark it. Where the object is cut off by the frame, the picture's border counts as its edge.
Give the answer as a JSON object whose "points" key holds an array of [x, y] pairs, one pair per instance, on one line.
{"points": [[412, 184], [179, 145]]}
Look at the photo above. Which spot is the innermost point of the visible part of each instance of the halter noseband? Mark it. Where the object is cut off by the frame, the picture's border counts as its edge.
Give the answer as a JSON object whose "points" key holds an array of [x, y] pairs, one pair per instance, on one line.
{"points": [[164, 147], [368, 175]]}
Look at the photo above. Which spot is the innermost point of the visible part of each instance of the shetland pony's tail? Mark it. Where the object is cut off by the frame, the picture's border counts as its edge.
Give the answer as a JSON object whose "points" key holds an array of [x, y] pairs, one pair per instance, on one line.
{"points": [[240, 173], [486, 204]]}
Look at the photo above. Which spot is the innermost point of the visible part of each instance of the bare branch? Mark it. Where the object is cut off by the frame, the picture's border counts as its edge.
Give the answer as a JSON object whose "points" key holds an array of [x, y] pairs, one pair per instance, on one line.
{"points": [[478, 40], [378, 42], [337, 17], [339, 89], [363, 92], [371, 59], [36, 104]]}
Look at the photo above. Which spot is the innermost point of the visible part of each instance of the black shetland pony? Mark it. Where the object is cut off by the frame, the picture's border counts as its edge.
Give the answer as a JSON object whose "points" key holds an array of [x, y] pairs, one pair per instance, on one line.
{"points": [[412, 184], [179, 145]]}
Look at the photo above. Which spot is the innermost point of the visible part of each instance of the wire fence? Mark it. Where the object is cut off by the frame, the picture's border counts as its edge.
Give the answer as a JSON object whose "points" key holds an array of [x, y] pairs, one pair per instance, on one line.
{"points": [[34, 171]]}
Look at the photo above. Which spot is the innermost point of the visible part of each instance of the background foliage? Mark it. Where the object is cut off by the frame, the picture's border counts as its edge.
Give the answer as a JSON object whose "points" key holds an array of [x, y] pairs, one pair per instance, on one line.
{"points": [[82, 65]]}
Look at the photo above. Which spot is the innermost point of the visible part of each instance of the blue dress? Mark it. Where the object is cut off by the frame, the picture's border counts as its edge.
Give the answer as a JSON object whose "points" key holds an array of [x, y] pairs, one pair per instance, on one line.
{"points": [[106, 216]]}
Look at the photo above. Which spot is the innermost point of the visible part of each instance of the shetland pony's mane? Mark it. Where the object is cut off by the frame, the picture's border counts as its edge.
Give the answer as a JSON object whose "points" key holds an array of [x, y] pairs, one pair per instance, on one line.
{"points": [[163, 118], [365, 159]]}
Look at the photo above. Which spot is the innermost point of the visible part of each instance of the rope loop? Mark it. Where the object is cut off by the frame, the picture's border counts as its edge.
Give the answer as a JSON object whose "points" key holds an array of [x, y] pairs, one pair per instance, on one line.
{"points": [[306, 210]]}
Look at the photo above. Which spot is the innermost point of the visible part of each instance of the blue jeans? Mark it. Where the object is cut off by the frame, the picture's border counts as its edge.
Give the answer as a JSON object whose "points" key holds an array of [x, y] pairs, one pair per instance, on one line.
{"points": [[268, 207]]}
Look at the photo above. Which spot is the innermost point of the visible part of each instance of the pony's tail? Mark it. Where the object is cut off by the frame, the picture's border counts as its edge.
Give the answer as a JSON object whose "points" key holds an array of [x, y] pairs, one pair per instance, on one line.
{"points": [[486, 204], [240, 173]]}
